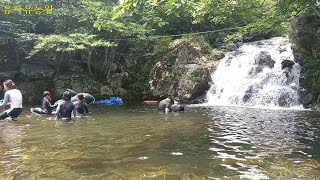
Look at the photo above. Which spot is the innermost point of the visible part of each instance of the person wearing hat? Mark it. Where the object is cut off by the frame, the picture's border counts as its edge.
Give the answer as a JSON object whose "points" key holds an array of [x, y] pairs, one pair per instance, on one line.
{"points": [[176, 107], [12, 97], [65, 109]]}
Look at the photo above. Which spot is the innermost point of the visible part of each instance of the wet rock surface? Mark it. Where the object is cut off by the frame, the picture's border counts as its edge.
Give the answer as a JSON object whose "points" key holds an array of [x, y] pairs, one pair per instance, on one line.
{"points": [[189, 77], [264, 59], [306, 48]]}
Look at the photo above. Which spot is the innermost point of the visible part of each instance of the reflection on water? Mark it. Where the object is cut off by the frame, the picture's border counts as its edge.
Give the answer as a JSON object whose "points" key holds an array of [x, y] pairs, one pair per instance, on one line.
{"points": [[140, 143]]}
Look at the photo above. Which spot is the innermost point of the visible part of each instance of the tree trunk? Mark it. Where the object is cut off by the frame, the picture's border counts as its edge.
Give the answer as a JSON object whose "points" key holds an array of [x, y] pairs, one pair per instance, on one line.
{"points": [[111, 58], [105, 63], [89, 63], [58, 69], [17, 55]]}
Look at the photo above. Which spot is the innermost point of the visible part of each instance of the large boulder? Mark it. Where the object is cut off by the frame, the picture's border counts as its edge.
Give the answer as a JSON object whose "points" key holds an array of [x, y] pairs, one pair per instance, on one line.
{"points": [[306, 99], [106, 90], [287, 64], [121, 92], [32, 91], [189, 77], [161, 80], [264, 59], [187, 52], [193, 81], [117, 80], [286, 67], [185, 81], [36, 71], [76, 82]]}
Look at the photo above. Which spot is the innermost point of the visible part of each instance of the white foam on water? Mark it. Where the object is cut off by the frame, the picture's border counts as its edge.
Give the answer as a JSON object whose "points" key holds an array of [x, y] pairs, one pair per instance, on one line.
{"points": [[238, 83], [177, 153]]}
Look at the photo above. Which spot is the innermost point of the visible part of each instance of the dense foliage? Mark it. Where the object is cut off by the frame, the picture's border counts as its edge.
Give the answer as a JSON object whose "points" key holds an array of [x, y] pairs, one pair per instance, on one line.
{"points": [[133, 34]]}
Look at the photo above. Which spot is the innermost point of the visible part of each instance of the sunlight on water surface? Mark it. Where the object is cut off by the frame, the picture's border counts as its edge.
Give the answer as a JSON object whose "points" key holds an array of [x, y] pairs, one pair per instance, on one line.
{"points": [[140, 143]]}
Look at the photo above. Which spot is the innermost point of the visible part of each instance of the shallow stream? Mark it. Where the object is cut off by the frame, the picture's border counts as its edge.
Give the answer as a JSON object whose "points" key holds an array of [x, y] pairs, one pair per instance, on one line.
{"points": [[140, 143]]}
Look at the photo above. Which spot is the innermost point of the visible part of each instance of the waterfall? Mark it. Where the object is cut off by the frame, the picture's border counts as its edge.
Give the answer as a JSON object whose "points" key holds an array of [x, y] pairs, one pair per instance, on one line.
{"points": [[258, 74]]}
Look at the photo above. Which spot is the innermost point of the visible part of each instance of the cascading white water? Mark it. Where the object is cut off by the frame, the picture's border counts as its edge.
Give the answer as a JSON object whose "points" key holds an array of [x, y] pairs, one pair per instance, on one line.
{"points": [[253, 76]]}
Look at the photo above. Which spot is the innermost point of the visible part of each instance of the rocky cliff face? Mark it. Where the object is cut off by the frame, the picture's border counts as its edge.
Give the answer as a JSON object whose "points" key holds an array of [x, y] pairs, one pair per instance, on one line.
{"points": [[184, 72], [187, 74], [306, 48], [33, 78]]}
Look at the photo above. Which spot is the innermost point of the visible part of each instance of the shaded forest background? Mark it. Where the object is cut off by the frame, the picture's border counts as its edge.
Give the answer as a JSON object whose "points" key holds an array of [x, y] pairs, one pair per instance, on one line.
{"points": [[107, 47]]}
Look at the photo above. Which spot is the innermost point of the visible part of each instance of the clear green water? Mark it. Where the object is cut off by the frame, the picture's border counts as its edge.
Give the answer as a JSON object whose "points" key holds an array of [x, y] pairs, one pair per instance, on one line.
{"points": [[140, 143]]}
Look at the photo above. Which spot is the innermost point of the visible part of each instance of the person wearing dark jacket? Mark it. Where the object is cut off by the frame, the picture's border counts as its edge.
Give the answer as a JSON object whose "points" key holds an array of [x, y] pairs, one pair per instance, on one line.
{"points": [[65, 109], [80, 105], [46, 105], [46, 108]]}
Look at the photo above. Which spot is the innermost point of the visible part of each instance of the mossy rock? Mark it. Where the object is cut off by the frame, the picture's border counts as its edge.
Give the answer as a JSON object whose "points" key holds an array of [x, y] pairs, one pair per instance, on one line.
{"points": [[36, 71], [76, 82], [32, 91]]}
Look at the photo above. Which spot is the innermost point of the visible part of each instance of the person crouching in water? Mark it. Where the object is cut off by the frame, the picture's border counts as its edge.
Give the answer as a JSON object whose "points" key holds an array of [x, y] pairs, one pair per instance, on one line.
{"points": [[165, 105], [80, 105], [65, 109], [176, 107], [12, 97]]}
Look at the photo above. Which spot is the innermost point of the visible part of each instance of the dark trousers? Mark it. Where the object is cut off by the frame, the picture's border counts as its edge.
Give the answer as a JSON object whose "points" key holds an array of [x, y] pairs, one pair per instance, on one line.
{"points": [[15, 112]]}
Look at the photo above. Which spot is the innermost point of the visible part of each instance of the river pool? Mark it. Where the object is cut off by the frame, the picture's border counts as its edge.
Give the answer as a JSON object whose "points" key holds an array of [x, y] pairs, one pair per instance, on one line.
{"points": [[137, 142]]}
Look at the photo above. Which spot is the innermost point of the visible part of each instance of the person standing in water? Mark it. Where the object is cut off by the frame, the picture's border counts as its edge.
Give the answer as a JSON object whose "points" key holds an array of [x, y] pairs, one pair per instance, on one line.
{"points": [[165, 105], [65, 109], [12, 97], [80, 105]]}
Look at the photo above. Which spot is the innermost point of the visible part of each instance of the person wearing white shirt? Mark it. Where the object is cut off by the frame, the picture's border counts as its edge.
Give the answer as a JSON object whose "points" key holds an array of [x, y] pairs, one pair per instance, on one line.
{"points": [[12, 97]]}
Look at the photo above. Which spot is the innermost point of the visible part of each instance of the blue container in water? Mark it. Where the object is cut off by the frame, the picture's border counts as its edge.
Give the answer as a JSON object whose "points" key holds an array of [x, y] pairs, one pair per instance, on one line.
{"points": [[112, 101]]}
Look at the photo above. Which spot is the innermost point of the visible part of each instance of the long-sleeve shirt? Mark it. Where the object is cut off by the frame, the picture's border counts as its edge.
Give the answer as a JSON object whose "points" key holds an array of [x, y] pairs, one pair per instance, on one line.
{"points": [[65, 109], [46, 106], [13, 96], [81, 107], [164, 104]]}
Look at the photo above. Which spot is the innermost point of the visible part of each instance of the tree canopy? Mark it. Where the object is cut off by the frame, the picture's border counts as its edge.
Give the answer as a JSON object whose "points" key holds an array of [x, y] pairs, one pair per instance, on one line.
{"points": [[130, 31]]}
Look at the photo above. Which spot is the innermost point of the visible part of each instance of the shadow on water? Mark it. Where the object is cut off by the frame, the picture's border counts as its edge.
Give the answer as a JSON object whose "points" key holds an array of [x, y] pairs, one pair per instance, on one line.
{"points": [[137, 142]]}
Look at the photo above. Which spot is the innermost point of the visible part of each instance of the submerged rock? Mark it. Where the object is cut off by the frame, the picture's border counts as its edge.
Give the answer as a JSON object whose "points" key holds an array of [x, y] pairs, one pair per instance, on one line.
{"points": [[287, 64], [284, 100], [307, 99], [264, 59], [199, 100]]}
